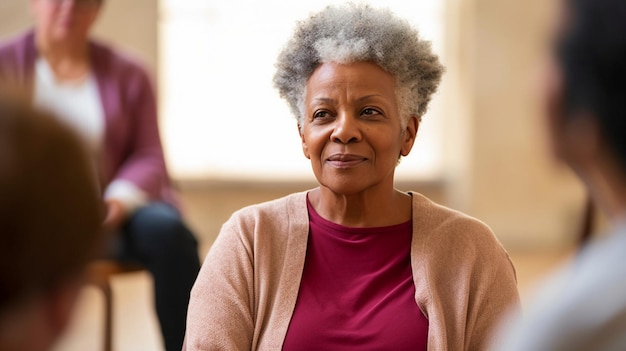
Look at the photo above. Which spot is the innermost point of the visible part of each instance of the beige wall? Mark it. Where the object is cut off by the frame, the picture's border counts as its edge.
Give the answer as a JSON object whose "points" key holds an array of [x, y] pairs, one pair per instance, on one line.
{"points": [[132, 25], [514, 184], [13, 16], [499, 168]]}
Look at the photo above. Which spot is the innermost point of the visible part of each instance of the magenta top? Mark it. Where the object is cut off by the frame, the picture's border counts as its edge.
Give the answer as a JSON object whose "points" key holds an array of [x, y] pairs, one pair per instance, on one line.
{"points": [[357, 291]]}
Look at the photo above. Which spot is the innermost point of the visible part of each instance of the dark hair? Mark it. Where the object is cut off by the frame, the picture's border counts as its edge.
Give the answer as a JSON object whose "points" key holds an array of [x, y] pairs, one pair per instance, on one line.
{"points": [[50, 211], [592, 54]]}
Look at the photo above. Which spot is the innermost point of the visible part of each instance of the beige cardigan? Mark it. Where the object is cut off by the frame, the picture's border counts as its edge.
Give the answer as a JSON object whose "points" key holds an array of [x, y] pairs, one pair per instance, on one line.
{"points": [[247, 288]]}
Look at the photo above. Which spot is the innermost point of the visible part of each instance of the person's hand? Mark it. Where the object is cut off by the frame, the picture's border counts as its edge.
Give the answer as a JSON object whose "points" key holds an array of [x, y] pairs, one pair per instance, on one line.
{"points": [[115, 215]]}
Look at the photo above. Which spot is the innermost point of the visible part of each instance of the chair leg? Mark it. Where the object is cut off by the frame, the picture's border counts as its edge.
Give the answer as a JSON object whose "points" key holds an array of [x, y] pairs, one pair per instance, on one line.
{"points": [[100, 276], [108, 317]]}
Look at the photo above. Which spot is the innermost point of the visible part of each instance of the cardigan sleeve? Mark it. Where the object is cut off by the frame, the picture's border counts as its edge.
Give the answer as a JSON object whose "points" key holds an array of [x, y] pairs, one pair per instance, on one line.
{"points": [[220, 313], [481, 286], [468, 281], [493, 293], [144, 163], [8, 65], [247, 288], [17, 55]]}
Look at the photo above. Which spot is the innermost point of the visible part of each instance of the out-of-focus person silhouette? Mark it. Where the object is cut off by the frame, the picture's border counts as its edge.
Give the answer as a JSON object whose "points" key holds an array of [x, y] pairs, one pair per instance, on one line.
{"points": [[353, 264], [583, 305], [50, 225], [108, 97]]}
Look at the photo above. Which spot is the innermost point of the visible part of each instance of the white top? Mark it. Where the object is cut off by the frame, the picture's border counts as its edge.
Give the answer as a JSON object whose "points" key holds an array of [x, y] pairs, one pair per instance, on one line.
{"points": [[581, 307], [78, 104]]}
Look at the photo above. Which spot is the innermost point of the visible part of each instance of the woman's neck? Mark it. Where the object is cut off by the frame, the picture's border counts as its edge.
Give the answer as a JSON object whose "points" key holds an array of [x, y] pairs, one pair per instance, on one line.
{"points": [[609, 193], [67, 60], [366, 209]]}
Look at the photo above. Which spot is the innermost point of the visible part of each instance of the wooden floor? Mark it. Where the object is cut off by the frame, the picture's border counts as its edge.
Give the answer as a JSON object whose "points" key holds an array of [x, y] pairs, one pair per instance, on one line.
{"points": [[134, 320], [136, 327]]}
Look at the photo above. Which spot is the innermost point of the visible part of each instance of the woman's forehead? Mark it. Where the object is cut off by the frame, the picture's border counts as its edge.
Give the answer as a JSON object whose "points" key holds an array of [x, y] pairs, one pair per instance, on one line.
{"points": [[364, 74]]}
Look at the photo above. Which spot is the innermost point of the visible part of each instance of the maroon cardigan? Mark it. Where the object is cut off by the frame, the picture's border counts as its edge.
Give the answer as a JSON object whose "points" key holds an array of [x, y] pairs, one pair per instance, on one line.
{"points": [[132, 145]]}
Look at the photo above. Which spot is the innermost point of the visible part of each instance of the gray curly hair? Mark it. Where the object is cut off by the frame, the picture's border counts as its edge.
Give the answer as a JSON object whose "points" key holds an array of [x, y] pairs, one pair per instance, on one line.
{"points": [[358, 32]]}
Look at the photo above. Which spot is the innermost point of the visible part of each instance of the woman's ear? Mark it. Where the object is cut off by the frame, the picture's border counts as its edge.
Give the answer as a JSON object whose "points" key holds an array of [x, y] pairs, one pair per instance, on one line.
{"points": [[410, 133], [553, 101], [580, 141], [305, 148]]}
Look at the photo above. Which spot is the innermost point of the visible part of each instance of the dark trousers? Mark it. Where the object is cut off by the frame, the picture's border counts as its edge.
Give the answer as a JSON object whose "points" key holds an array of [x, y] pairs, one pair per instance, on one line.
{"points": [[156, 237]]}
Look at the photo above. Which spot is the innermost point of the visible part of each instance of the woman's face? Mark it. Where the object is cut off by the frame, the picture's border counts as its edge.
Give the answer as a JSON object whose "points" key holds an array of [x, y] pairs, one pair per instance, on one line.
{"points": [[351, 130], [64, 20]]}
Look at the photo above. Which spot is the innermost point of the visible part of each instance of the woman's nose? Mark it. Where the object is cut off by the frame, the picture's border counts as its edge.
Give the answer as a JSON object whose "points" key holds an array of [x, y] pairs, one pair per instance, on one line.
{"points": [[346, 129]]}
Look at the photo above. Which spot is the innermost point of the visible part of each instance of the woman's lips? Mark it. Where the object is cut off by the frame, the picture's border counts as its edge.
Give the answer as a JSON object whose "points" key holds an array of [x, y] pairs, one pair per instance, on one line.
{"points": [[345, 160]]}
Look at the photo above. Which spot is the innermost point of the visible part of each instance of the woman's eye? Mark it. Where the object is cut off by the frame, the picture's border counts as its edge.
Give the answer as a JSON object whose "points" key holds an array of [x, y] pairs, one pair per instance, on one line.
{"points": [[370, 112], [320, 114]]}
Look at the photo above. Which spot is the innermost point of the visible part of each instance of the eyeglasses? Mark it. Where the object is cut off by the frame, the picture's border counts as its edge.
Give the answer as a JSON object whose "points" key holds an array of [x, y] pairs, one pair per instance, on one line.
{"points": [[79, 3]]}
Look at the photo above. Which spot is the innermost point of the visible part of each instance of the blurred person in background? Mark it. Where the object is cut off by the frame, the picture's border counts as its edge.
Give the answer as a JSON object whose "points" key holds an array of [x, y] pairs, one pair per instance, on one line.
{"points": [[354, 264], [50, 225], [109, 99], [583, 305]]}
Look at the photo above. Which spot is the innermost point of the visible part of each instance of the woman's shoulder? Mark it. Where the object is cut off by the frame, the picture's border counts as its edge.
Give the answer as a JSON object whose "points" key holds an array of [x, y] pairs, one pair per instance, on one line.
{"points": [[106, 56], [289, 206], [15, 48], [447, 237], [434, 215], [12, 43], [436, 225], [267, 225], [285, 205]]}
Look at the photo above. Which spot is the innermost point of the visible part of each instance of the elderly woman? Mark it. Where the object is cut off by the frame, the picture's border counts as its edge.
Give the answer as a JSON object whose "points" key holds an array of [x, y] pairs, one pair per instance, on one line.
{"points": [[108, 98], [353, 264]]}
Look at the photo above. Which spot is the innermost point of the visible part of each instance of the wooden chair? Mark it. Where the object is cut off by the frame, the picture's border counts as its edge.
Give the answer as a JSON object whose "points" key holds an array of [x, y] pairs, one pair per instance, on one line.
{"points": [[99, 275]]}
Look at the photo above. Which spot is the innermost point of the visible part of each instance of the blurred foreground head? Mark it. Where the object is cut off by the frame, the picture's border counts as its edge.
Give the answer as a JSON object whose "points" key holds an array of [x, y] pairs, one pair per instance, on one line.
{"points": [[50, 218], [587, 104]]}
